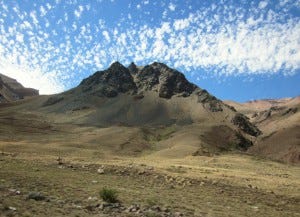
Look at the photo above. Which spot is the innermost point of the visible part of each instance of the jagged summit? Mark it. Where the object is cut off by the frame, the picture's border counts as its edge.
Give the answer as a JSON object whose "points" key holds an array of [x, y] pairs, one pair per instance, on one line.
{"points": [[154, 94], [156, 77], [133, 69], [116, 79], [166, 81]]}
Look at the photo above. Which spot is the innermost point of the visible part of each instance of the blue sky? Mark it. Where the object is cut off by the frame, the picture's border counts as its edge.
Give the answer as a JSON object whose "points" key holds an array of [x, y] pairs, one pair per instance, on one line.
{"points": [[239, 50]]}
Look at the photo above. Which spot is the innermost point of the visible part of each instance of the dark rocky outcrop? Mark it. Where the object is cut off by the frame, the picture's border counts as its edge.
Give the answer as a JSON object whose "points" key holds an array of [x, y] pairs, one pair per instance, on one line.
{"points": [[147, 78], [244, 124], [156, 77], [210, 102], [290, 111], [116, 79], [242, 143], [166, 81], [132, 68]]}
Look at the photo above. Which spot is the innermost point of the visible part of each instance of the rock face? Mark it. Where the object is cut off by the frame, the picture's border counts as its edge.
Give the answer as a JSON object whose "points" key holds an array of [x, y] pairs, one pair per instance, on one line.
{"points": [[11, 90], [244, 124], [166, 81], [116, 79], [156, 77]]}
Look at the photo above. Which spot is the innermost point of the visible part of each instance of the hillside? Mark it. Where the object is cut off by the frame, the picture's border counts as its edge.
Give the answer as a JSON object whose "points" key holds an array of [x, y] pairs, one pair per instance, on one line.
{"points": [[151, 108], [279, 121], [11, 90]]}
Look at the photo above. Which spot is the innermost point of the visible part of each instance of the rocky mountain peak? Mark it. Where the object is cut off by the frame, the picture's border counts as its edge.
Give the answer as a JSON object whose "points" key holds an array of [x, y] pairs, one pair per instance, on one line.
{"points": [[110, 82], [164, 80], [116, 67], [133, 69], [144, 84], [156, 77]]}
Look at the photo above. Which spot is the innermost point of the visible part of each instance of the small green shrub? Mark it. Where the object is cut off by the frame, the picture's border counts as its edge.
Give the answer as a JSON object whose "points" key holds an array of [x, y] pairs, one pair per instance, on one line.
{"points": [[109, 195]]}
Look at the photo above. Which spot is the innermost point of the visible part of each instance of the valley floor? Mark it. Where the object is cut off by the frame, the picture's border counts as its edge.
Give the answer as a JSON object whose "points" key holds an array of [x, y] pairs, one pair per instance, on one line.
{"points": [[151, 180], [224, 185]]}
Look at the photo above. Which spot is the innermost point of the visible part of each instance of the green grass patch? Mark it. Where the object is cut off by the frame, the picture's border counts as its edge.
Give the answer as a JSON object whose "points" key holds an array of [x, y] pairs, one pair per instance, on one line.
{"points": [[109, 195]]}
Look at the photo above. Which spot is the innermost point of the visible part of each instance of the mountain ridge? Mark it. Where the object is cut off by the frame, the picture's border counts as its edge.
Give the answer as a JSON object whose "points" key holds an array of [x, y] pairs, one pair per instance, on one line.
{"points": [[156, 77], [137, 104], [12, 90], [156, 80]]}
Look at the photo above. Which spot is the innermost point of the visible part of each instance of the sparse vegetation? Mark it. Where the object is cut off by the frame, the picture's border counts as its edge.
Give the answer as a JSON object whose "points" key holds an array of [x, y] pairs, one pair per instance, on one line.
{"points": [[243, 143], [59, 160], [176, 169], [152, 201], [151, 214], [156, 135], [215, 179], [109, 195]]}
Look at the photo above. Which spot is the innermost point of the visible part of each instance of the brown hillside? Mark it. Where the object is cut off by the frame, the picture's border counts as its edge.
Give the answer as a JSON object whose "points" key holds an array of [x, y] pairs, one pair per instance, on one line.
{"points": [[134, 109], [11, 90], [279, 121]]}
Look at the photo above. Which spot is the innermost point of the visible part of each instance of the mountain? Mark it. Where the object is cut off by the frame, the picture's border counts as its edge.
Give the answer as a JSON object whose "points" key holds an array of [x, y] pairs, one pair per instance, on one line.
{"points": [[153, 95], [153, 109], [11, 90], [136, 109], [279, 120], [146, 133]]}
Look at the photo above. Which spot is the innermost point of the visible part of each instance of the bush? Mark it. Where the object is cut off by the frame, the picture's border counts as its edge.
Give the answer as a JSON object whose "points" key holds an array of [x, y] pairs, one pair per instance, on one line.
{"points": [[109, 195]]}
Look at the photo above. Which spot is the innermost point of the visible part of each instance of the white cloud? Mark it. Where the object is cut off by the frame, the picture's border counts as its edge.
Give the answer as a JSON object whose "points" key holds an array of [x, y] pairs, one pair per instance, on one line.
{"points": [[221, 39], [34, 18], [20, 38], [250, 46], [181, 24], [88, 7], [164, 14], [74, 26], [79, 11], [172, 7], [48, 6], [262, 4], [43, 11], [283, 2], [106, 35], [34, 78], [164, 29]]}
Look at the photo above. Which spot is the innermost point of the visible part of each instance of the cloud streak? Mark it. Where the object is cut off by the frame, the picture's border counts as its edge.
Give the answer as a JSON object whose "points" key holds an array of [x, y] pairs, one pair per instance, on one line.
{"points": [[52, 53]]}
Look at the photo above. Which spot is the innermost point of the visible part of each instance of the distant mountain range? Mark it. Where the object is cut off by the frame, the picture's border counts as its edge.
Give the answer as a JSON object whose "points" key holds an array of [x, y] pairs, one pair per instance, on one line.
{"points": [[154, 105]]}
